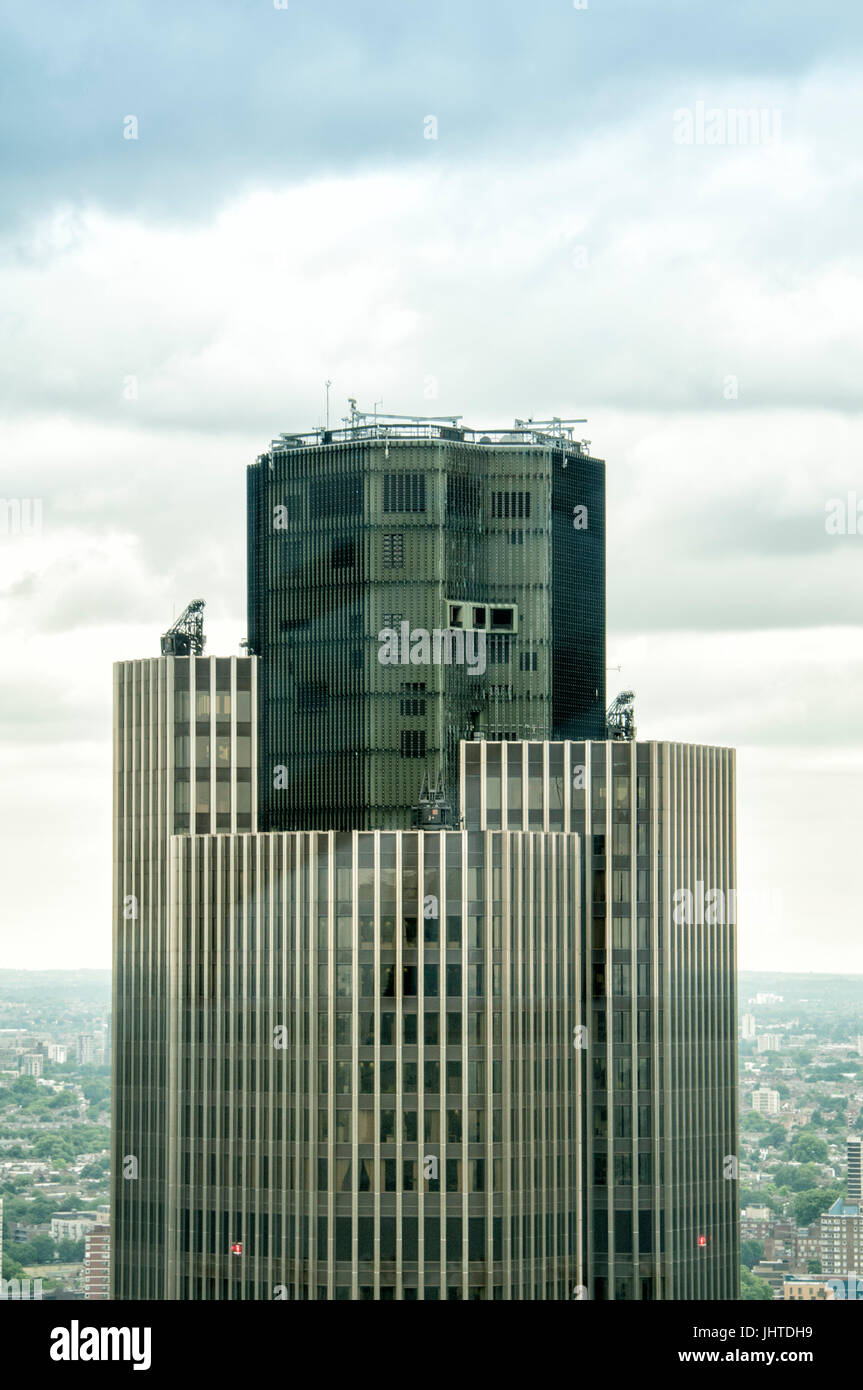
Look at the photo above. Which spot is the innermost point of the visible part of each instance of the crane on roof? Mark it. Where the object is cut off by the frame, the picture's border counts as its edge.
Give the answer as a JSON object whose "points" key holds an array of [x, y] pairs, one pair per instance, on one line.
{"points": [[185, 636], [620, 717]]}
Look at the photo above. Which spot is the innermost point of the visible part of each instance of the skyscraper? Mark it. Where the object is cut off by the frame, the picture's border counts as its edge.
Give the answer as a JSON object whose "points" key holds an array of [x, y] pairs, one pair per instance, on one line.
{"points": [[388, 1046], [365, 542], [374, 1089], [183, 764], [657, 945]]}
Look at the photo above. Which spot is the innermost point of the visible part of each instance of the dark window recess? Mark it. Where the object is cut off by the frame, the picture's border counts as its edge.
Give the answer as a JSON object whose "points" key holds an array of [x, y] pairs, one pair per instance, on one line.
{"points": [[413, 743], [404, 492], [502, 618], [343, 555], [527, 661], [340, 494], [499, 649], [413, 702], [393, 620], [510, 504], [313, 696], [394, 551], [462, 496], [516, 537]]}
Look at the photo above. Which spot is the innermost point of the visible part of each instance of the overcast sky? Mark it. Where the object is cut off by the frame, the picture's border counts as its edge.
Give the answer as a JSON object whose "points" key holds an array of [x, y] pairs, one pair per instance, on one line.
{"points": [[581, 238]]}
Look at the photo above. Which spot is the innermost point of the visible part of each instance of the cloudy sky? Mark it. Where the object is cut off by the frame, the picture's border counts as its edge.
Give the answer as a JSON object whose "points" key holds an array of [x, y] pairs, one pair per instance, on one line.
{"points": [[493, 209]]}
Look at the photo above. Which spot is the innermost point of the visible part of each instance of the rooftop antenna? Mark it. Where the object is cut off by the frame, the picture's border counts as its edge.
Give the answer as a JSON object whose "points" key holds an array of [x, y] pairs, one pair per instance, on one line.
{"points": [[328, 385]]}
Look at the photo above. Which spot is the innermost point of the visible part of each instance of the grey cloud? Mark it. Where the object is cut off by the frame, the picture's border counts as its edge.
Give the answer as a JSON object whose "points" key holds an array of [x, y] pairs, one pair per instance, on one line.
{"points": [[233, 92]]}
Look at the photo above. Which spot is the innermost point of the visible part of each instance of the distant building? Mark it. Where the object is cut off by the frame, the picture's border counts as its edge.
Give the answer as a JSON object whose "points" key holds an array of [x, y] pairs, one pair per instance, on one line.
{"points": [[768, 999], [768, 1042], [806, 1290], [747, 1027], [71, 1225], [86, 1049], [97, 1260], [754, 1213], [855, 1175], [842, 1237], [57, 1052], [808, 1243], [31, 1063], [765, 1101], [774, 1273]]}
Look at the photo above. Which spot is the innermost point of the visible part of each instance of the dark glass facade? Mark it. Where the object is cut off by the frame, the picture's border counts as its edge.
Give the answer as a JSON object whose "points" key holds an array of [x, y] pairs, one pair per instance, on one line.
{"points": [[498, 547]]}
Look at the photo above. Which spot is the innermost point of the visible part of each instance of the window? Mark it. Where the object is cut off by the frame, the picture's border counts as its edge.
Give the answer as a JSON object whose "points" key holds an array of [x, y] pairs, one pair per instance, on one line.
{"points": [[394, 551], [415, 704], [343, 555], [502, 619], [462, 495], [510, 504], [413, 743], [338, 495], [404, 492], [499, 649], [527, 661], [516, 537]]}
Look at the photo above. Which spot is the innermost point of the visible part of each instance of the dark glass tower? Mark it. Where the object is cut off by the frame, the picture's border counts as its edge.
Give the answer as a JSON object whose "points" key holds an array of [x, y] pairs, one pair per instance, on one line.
{"points": [[363, 544]]}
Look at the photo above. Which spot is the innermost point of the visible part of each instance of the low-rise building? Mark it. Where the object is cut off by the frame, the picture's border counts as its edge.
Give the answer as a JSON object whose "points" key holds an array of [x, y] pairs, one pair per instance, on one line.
{"points": [[71, 1225]]}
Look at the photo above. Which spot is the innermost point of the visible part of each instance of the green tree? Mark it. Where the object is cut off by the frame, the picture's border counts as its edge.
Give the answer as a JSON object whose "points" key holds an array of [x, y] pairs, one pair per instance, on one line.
{"points": [[11, 1268], [809, 1147], [754, 1123], [811, 1203], [24, 1089], [751, 1251], [804, 1178], [752, 1289], [70, 1251], [42, 1250]]}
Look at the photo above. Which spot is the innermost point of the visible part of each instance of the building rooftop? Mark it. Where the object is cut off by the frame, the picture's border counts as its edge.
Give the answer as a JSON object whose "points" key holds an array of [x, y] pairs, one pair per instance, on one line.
{"points": [[362, 428], [842, 1208]]}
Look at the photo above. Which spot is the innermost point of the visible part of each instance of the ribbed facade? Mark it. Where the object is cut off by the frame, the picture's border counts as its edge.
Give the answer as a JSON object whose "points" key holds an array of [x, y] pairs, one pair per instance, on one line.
{"points": [[184, 762], [659, 971], [499, 543], [374, 1084]]}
